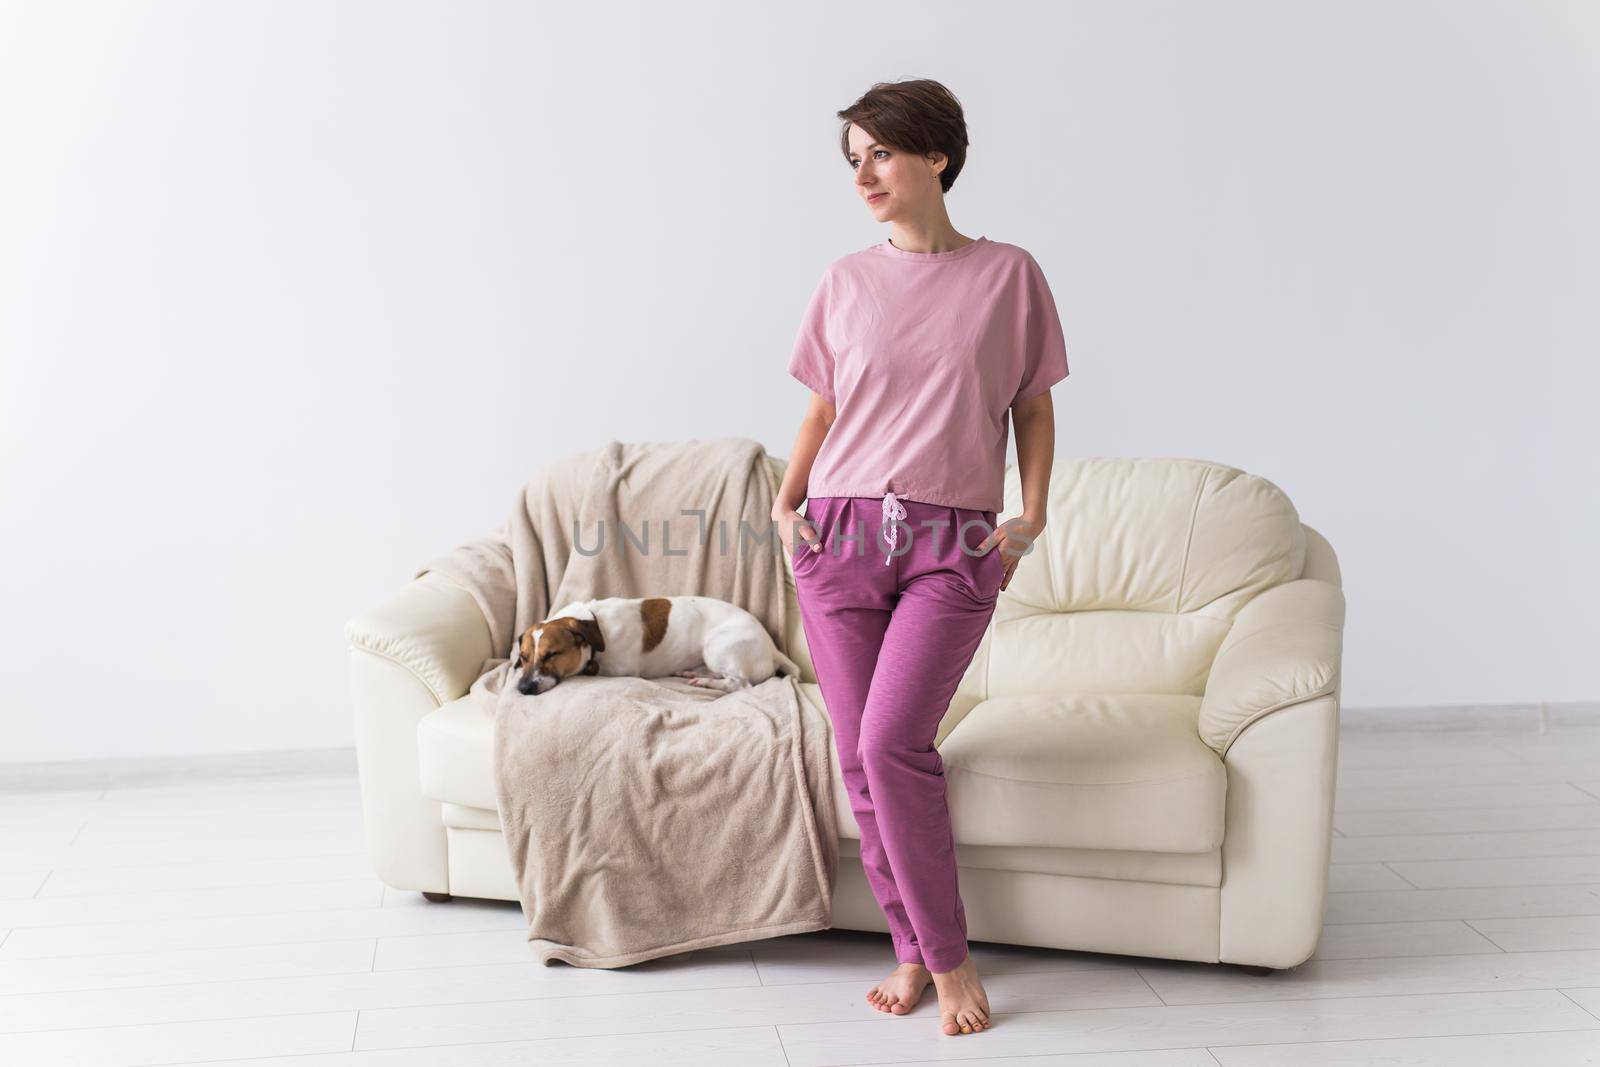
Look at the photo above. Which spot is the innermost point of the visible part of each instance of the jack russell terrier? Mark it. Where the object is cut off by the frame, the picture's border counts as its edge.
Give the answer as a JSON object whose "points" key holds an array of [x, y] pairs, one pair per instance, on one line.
{"points": [[710, 642]]}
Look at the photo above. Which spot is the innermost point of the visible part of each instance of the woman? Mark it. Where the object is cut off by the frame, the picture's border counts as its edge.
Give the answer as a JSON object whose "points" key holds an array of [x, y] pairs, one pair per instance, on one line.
{"points": [[916, 349]]}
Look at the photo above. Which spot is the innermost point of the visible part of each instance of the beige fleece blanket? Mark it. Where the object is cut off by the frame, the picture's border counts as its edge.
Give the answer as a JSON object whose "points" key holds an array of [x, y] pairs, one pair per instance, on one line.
{"points": [[648, 817]]}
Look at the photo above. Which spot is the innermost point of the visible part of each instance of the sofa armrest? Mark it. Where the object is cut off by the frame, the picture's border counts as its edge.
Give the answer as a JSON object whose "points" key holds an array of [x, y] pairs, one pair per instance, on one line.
{"points": [[432, 628], [1282, 655], [1284, 648], [422, 648], [1278, 841]]}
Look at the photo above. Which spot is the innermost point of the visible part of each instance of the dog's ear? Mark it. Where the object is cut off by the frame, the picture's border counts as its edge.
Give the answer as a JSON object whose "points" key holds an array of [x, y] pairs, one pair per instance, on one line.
{"points": [[591, 633]]}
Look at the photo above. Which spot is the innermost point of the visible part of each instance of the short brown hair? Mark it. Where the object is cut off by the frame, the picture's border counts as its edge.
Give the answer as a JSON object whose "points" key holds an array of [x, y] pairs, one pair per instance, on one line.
{"points": [[917, 115]]}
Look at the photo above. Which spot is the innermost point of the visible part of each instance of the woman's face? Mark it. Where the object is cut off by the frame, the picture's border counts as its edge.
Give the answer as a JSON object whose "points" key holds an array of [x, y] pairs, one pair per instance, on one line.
{"points": [[893, 183]]}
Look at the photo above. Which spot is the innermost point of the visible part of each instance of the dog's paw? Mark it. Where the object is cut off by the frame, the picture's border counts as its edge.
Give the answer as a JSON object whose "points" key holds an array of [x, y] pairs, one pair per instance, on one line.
{"points": [[719, 682], [700, 670]]}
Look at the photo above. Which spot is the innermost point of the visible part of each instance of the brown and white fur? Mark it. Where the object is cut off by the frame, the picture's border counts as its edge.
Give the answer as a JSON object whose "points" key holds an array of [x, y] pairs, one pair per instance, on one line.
{"points": [[711, 642]]}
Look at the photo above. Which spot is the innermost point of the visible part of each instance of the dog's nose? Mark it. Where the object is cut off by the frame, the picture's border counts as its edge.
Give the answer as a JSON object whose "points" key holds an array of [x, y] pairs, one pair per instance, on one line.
{"points": [[534, 684]]}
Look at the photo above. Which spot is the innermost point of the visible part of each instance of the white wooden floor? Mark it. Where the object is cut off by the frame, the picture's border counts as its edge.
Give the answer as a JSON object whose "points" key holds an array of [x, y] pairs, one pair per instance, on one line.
{"points": [[1463, 928]]}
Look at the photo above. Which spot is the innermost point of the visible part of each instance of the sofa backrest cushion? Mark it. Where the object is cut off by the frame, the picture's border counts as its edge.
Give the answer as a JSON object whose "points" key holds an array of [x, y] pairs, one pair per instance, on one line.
{"points": [[1141, 568]]}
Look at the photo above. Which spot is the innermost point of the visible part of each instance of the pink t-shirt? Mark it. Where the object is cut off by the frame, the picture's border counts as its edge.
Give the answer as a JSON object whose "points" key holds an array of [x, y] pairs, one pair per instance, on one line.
{"points": [[922, 355]]}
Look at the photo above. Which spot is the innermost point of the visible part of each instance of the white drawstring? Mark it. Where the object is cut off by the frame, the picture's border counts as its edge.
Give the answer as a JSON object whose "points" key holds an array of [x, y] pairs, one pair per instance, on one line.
{"points": [[892, 509]]}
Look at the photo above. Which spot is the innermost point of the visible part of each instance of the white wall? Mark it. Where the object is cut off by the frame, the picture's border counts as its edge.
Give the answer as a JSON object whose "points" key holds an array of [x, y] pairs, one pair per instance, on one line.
{"points": [[294, 296]]}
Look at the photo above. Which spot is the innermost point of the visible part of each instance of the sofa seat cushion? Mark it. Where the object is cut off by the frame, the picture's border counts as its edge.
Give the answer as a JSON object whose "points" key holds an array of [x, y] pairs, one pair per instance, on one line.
{"points": [[455, 754], [1085, 770], [1125, 771]]}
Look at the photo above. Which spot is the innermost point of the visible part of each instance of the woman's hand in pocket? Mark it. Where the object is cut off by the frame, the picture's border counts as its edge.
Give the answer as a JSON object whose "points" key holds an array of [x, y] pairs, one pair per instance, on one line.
{"points": [[1014, 536], [795, 530]]}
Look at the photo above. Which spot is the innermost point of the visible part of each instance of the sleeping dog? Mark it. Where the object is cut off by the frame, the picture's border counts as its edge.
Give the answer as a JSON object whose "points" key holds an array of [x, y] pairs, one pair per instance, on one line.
{"points": [[708, 641]]}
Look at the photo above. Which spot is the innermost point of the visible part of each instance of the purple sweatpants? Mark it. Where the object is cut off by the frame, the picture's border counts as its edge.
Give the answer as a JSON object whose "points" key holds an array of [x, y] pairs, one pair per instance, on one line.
{"points": [[892, 631]]}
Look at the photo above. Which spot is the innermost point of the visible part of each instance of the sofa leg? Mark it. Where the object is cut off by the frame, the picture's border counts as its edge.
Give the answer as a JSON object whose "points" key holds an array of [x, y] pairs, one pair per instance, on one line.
{"points": [[437, 898]]}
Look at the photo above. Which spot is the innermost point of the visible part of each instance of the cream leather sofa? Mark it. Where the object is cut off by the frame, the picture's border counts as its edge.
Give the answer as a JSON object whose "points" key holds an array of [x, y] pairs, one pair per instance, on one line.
{"points": [[1141, 757]]}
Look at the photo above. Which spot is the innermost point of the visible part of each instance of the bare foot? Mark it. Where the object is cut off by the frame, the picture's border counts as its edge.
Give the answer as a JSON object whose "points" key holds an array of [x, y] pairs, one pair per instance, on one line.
{"points": [[900, 992], [963, 1006]]}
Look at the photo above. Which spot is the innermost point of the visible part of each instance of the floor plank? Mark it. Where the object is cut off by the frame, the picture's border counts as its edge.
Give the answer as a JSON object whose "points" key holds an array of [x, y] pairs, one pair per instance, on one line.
{"points": [[813, 1044], [1576, 1048], [823, 1005], [134, 1046]]}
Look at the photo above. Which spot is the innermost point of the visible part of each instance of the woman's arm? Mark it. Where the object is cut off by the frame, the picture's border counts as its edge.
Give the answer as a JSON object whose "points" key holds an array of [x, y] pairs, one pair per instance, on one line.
{"points": [[1034, 421], [814, 427]]}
